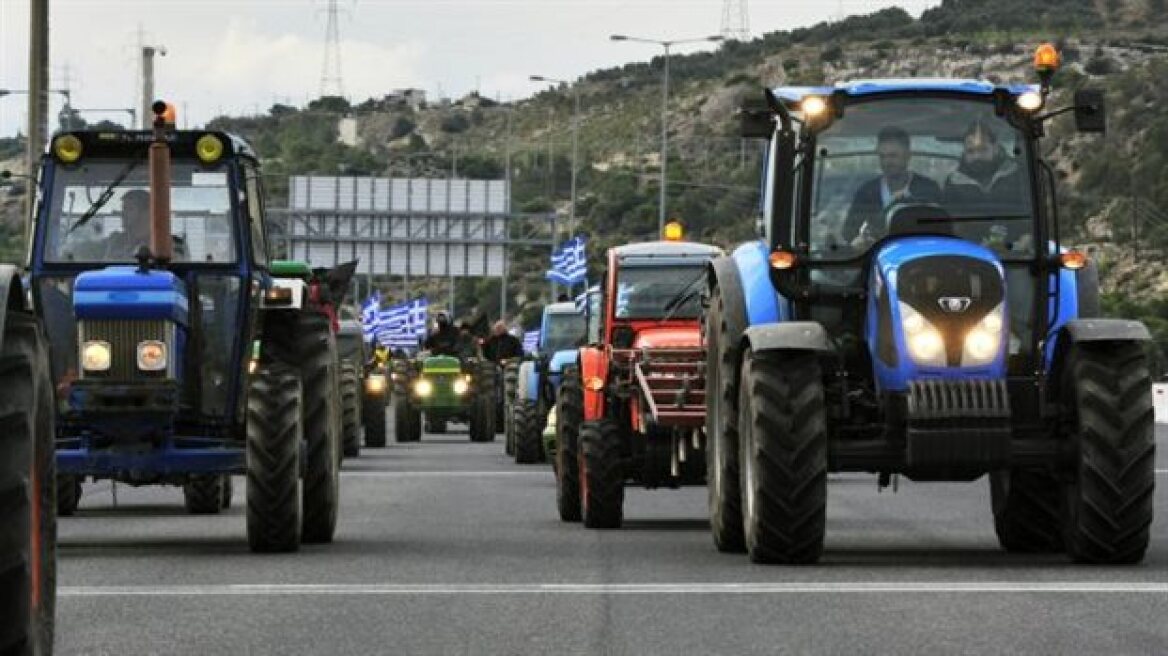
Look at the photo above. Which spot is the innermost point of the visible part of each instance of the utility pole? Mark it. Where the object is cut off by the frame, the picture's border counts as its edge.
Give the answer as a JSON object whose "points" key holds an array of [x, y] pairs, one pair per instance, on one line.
{"points": [[146, 113], [38, 97]]}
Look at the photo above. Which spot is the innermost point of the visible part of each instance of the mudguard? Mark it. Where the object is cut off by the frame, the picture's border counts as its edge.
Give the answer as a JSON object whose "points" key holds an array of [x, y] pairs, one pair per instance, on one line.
{"points": [[1085, 331], [527, 387], [11, 295], [593, 368], [789, 336]]}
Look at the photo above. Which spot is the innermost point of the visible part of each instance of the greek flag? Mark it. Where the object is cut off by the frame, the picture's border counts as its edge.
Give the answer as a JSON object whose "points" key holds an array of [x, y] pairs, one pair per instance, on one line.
{"points": [[569, 264], [582, 299], [531, 341], [419, 316], [369, 315], [392, 323]]}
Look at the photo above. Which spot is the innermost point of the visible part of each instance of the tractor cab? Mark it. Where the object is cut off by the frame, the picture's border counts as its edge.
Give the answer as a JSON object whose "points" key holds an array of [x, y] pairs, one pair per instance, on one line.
{"points": [[171, 326]]}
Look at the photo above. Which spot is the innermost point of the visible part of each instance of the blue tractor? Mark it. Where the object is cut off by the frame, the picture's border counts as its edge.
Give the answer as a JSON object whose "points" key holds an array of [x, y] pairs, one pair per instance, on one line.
{"points": [[181, 353], [910, 310], [560, 334]]}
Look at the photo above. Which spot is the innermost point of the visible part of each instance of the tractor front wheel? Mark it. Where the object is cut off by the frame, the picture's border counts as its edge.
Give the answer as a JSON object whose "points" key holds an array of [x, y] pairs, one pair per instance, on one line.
{"points": [[274, 433], [351, 410], [528, 433], [783, 457], [569, 415], [602, 474], [373, 416], [722, 475], [1109, 502], [203, 495], [1027, 507]]}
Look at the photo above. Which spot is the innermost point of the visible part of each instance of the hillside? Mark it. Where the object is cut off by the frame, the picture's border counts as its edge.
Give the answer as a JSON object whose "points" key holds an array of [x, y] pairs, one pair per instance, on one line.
{"points": [[1114, 189]]}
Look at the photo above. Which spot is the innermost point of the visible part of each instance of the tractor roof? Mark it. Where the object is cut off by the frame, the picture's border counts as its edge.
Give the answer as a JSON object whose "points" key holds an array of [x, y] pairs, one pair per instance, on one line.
{"points": [[182, 142], [859, 88], [665, 249]]}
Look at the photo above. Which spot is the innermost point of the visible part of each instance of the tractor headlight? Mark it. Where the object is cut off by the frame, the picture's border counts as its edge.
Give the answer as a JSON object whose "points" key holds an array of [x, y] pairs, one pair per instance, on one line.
{"points": [[984, 340], [423, 388], [95, 356], [925, 343], [375, 384], [462, 385], [151, 355]]}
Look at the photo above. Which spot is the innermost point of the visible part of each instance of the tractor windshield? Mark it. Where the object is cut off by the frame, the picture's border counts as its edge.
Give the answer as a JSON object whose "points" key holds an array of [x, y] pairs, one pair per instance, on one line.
{"points": [[954, 155], [564, 331], [645, 292], [98, 212]]}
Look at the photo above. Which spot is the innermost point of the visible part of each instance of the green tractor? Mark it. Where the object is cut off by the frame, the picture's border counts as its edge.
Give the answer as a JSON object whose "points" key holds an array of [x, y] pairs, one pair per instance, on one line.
{"points": [[446, 389]]}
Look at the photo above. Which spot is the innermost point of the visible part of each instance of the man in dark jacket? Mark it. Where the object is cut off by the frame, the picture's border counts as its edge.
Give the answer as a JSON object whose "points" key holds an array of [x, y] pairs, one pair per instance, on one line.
{"points": [[445, 338], [987, 182], [502, 345], [865, 221]]}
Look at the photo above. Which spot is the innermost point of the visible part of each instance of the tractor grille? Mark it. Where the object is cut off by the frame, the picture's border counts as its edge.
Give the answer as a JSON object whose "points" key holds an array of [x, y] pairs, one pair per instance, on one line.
{"points": [[123, 336]]}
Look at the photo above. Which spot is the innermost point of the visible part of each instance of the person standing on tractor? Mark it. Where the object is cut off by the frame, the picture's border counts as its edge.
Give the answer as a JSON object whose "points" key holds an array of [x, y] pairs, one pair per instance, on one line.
{"points": [[468, 344], [444, 340], [502, 345], [896, 183]]}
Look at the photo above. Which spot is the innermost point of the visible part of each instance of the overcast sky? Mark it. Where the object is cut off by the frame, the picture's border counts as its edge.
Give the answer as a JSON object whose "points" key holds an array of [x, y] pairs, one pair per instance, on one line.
{"points": [[240, 56]]}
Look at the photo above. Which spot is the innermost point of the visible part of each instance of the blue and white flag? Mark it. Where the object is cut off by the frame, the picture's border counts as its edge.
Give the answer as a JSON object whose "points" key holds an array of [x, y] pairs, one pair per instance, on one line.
{"points": [[582, 299], [569, 263], [369, 315], [391, 322], [419, 317], [531, 341]]}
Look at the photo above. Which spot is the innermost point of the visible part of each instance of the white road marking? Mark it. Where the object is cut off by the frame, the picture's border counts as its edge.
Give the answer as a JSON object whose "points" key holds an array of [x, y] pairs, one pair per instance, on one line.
{"points": [[827, 587], [444, 474], [1162, 471]]}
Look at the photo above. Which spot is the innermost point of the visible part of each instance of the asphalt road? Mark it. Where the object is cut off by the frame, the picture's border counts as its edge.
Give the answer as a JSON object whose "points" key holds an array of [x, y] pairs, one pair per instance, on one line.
{"points": [[446, 547]]}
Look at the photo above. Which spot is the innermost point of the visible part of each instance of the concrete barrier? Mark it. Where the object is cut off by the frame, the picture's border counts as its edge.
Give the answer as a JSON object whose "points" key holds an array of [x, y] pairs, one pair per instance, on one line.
{"points": [[1160, 402]]}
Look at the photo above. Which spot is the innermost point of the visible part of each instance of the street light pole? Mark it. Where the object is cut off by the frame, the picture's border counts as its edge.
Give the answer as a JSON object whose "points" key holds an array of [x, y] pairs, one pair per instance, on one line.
{"points": [[661, 204]]}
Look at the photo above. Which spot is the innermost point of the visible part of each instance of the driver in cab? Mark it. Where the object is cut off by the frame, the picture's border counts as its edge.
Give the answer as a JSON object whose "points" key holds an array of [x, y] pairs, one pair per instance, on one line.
{"points": [[896, 184]]}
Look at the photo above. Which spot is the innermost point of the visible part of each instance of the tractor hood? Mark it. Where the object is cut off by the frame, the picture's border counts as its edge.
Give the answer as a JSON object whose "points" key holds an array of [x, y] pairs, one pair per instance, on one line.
{"points": [[677, 337], [937, 309], [441, 364], [128, 293]]}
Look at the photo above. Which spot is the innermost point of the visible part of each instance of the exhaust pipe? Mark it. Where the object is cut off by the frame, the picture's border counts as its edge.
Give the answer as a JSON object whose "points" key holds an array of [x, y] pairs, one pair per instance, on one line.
{"points": [[161, 245]]}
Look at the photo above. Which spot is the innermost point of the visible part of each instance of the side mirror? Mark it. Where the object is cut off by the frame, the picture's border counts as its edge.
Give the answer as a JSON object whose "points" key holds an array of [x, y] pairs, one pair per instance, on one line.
{"points": [[756, 121], [1090, 111]]}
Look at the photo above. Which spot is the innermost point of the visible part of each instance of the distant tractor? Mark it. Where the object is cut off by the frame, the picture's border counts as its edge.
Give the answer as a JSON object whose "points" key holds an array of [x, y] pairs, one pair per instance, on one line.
{"points": [[910, 310], [633, 409], [28, 512], [561, 332], [364, 390], [444, 388], [182, 355]]}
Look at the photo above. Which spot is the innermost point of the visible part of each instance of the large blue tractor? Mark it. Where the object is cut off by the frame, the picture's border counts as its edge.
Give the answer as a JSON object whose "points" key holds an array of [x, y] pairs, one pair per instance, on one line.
{"points": [[560, 334], [910, 310], [182, 355]]}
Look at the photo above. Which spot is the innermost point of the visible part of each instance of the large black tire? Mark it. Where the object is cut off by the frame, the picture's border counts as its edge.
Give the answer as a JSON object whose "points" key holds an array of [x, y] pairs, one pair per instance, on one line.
{"points": [[407, 421], [203, 495], [319, 375], [528, 432], [510, 385], [569, 416], [602, 474], [68, 494], [350, 410], [482, 416], [274, 432], [437, 426], [724, 493], [373, 415], [783, 457], [228, 493], [28, 506], [1109, 503], [1028, 510]]}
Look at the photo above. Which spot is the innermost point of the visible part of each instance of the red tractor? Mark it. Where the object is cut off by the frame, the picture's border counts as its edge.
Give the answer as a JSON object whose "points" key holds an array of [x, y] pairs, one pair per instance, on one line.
{"points": [[634, 409]]}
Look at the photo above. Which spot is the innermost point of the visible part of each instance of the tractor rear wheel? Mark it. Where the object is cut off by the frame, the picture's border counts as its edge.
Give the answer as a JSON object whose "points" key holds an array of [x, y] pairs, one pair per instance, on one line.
{"points": [[569, 415], [28, 552], [725, 495], [320, 371], [203, 494], [527, 432], [351, 410], [602, 474], [1028, 510], [275, 430], [783, 456], [482, 414], [1109, 502], [68, 494]]}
